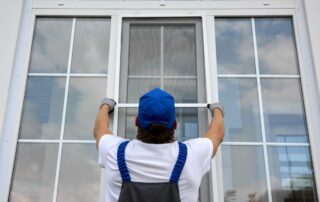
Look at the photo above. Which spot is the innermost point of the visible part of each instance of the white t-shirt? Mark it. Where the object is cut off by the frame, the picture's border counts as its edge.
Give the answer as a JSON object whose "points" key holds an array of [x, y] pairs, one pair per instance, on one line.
{"points": [[154, 163]]}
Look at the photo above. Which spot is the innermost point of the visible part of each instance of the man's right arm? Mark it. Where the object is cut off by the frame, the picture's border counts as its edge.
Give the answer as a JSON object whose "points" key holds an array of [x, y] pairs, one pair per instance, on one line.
{"points": [[216, 129]]}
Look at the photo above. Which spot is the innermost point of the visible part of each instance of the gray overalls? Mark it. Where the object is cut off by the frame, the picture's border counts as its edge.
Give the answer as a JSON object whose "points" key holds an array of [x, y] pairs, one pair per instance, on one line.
{"points": [[150, 192]]}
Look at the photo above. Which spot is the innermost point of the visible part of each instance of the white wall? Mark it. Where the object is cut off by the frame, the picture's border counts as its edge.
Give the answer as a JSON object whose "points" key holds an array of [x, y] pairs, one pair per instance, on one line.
{"points": [[312, 8], [9, 23]]}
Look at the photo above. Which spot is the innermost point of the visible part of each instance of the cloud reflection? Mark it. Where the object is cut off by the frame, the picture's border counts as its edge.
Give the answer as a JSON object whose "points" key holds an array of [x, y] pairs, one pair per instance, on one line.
{"points": [[34, 173], [276, 46], [42, 110], [50, 48], [240, 100], [84, 98], [234, 46], [91, 45], [80, 174]]}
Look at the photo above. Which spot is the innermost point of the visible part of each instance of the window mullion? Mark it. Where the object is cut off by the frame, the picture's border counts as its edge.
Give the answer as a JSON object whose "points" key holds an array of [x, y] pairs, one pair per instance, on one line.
{"points": [[56, 182], [265, 151]]}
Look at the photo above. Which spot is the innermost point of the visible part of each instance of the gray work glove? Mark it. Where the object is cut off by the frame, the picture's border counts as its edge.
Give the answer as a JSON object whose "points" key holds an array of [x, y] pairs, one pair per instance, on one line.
{"points": [[110, 102], [217, 105]]}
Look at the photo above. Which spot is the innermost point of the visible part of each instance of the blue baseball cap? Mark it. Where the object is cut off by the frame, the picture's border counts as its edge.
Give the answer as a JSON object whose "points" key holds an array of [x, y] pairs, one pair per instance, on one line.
{"points": [[156, 106]]}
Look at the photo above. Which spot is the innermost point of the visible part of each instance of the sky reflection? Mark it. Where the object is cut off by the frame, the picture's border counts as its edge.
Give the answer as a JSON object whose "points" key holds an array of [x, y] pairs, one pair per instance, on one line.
{"points": [[50, 48], [234, 46]]}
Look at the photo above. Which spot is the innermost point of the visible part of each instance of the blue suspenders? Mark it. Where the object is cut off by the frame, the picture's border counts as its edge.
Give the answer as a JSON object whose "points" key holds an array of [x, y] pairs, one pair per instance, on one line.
{"points": [[175, 175]]}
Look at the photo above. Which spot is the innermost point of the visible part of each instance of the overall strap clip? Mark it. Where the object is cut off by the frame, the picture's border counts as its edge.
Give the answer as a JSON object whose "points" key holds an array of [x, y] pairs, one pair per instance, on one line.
{"points": [[183, 152], [122, 162]]}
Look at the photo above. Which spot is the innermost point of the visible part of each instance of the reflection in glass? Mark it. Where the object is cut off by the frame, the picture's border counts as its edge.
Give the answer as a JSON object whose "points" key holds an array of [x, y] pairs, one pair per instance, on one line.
{"points": [[138, 87], [276, 46], [240, 100], [234, 43], [42, 110], [179, 50], [144, 50], [50, 48], [34, 172], [130, 115], [291, 174], [244, 176], [283, 110], [183, 90], [187, 123], [79, 179], [84, 96], [91, 45]]}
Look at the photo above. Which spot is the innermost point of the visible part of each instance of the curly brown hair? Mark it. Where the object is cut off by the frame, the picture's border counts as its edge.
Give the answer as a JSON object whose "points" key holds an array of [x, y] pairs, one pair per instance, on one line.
{"points": [[156, 134]]}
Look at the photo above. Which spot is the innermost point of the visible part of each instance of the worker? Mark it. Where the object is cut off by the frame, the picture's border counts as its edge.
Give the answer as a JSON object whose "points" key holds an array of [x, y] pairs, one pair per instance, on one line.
{"points": [[155, 167]]}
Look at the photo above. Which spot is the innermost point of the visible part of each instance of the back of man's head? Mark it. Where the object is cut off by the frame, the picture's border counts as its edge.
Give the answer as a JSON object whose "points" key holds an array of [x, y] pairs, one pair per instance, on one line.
{"points": [[156, 119]]}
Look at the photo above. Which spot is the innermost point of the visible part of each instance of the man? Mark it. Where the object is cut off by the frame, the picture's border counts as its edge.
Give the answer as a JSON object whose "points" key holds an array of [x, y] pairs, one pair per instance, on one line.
{"points": [[155, 167]]}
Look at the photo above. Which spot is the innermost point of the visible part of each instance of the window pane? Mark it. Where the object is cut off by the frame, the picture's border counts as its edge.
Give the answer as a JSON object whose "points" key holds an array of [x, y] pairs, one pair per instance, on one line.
{"points": [[187, 123], [244, 173], [84, 98], [240, 100], [283, 110], [42, 110], [291, 173], [79, 173], [50, 48], [34, 172], [144, 50], [234, 43], [138, 87], [179, 50], [276, 46], [183, 90], [91, 46]]}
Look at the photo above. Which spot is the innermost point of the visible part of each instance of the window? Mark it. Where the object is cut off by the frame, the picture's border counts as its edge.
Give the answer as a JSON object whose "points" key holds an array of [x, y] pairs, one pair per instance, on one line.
{"points": [[166, 54], [199, 55], [266, 150], [66, 80]]}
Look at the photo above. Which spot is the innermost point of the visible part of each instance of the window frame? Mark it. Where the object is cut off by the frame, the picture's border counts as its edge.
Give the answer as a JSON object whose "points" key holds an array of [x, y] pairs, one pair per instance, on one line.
{"points": [[136, 9]]}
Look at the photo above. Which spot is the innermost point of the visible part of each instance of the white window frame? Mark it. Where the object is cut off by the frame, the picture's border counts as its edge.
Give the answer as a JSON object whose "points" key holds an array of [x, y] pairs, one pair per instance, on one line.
{"points": [[126, 9]]}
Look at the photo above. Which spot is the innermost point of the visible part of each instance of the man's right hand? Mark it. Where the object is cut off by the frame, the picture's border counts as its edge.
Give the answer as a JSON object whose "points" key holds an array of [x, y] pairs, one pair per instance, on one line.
{"points": [[110, 102]]}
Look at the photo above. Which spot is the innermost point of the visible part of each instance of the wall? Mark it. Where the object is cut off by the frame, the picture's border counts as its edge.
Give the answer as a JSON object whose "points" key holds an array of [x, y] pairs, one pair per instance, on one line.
{"points": [[9, 22], [312, 8]]}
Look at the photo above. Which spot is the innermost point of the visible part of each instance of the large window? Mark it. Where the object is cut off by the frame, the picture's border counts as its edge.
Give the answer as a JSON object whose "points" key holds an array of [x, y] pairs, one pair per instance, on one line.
{"points": [[266, 150], [56, 154]]}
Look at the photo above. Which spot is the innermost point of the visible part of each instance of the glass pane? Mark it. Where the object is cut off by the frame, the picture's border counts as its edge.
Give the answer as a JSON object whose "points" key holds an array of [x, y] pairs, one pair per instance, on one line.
{"points": [[283, 110], [240, 100], [244, 176], [79, 178], [130, 117], [183, 90], [91, 46], [84, 98], [187, 122], [144, 50], [34, 172], [276, 46], [179, 52], [42, 110], [235, 54], [138, 87], [291, 173], [50, 48]]}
